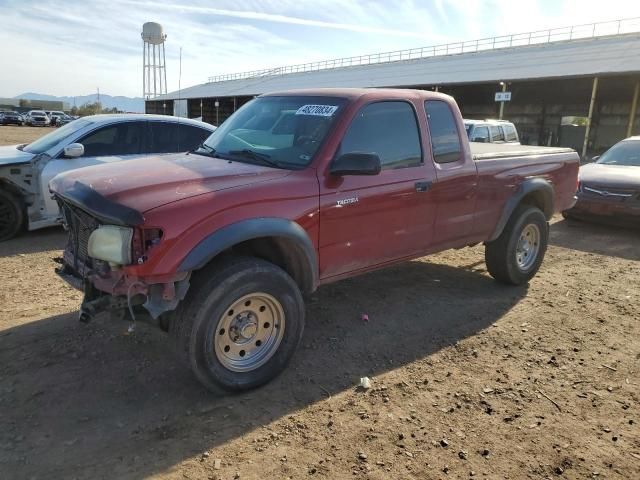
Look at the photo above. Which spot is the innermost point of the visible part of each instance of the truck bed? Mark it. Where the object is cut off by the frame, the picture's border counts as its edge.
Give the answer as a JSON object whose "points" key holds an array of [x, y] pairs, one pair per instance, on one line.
{"points": [[487, 151]]}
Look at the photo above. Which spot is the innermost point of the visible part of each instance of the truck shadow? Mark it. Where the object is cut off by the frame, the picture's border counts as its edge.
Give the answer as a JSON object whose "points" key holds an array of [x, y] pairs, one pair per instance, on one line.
{"points": [[601, 239], [52, 238], [82, 400]]}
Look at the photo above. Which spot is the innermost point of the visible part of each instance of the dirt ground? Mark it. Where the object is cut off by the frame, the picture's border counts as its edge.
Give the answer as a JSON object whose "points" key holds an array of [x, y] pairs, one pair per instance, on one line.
{"points": [[471, 379], [13, 135]]}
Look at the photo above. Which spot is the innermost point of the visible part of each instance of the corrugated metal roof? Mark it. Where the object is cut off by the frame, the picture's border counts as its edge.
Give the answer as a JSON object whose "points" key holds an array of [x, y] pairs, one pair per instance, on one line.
{"points": [[615, 54]]}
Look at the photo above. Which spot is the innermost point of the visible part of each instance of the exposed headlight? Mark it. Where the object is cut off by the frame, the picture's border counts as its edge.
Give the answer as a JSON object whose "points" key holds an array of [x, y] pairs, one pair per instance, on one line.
{"points": [[111, 244]]}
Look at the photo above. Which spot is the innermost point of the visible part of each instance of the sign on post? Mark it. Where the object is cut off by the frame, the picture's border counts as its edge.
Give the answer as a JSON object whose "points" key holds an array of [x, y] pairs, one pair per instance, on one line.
{"points": [[503, 96]]}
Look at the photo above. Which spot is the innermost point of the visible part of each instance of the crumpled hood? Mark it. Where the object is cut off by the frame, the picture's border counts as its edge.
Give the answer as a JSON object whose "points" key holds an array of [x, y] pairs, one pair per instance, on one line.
{"points": [[610, 175], [10, 155], [150, 182]]}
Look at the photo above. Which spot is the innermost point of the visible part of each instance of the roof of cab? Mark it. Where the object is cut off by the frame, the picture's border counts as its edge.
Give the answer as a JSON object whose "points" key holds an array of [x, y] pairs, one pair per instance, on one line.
{"points": [[356, 93]]}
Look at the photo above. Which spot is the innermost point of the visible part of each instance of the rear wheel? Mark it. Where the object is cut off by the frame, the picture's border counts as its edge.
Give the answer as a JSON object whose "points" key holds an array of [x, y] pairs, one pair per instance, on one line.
{"points": [[240, 323], [11, 215], [516, 255]]}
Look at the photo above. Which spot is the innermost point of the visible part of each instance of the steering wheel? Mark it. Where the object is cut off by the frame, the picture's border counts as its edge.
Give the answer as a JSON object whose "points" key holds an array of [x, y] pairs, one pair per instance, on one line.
{"points": [[304, 140]]}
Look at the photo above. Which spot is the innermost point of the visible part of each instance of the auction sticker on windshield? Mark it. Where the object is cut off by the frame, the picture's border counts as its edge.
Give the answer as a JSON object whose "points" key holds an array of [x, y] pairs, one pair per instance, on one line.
{"points": [[317, 110]]}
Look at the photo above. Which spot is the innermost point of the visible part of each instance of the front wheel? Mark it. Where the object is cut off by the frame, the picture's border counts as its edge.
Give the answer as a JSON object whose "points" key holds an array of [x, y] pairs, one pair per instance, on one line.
{"points": [[240, 323], [11, 215], [516, 255]]}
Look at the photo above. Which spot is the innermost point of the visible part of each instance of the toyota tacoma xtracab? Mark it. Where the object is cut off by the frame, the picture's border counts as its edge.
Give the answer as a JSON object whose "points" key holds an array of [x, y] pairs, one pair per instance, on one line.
{"points": [[296, 190]]}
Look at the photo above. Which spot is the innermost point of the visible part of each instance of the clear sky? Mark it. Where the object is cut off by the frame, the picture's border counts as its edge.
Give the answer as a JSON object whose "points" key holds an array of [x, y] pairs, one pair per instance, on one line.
{"points": [[70, 47]]}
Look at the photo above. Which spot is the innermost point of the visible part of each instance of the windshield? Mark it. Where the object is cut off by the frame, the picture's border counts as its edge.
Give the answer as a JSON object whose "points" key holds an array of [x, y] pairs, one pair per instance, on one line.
{"points": [[280, 131], [624, 153], [45, 143]]}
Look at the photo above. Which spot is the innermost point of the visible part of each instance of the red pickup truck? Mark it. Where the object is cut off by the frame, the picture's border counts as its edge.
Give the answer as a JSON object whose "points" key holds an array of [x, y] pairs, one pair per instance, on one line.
{"points": [[295, 190]]}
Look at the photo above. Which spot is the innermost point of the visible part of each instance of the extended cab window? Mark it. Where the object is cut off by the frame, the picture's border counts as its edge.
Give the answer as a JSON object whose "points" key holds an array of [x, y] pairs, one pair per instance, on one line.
{"points": [[119, 139], [445, 139], [388, 129]]}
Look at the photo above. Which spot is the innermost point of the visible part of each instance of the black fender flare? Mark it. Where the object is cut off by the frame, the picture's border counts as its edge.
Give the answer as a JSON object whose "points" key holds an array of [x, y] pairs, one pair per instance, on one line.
{"points": [[303, 253], [527, 187]]}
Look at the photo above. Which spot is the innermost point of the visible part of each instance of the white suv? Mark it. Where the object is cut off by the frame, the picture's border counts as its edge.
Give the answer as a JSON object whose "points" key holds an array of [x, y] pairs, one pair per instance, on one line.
{"points": [[491, 131]]}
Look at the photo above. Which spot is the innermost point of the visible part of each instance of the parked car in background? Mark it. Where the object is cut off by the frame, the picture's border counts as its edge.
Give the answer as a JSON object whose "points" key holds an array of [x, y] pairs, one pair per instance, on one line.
{"points": [[25, 170], [59, 118], [38, 118], [11, 118], [294, 190], [491, 131], [609, 188]]}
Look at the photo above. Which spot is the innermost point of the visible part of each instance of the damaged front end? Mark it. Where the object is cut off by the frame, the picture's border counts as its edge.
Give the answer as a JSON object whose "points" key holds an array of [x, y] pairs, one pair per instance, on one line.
{"points": [[106, 240]]}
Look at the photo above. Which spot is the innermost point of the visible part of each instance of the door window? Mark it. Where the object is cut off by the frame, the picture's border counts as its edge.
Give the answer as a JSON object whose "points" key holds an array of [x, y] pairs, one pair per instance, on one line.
{"points": [[170, 137], [190, 136], [388, 129], [445, 140], [164, 137], [497, 134], [120, 139]]}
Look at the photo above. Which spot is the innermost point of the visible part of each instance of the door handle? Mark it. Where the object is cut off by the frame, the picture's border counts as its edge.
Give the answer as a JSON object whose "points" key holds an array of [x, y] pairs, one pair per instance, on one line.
{"points": [[422, 186]]}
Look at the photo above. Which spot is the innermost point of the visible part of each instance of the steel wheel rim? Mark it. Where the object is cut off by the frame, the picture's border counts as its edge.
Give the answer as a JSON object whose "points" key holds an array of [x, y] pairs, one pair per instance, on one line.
{"points": [[528, 247], [249, 332]]}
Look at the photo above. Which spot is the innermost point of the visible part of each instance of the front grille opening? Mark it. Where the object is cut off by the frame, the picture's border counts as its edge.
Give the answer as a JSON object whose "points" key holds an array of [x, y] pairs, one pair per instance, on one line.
{"points": [[79, 225]]}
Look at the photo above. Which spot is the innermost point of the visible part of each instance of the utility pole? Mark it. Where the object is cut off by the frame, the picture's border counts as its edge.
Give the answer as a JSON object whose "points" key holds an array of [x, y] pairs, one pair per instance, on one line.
{"points": [[634, 107], [504, 89], [594, 91]]}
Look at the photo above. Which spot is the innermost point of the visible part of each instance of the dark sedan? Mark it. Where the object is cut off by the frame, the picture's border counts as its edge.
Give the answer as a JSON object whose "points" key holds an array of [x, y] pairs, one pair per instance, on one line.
{"points": [[609, 188], [11, 118]]}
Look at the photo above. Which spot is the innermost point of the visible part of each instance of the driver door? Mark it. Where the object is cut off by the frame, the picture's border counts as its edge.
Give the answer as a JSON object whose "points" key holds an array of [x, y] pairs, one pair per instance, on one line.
{"points": [[369, 220], [111, 143]]}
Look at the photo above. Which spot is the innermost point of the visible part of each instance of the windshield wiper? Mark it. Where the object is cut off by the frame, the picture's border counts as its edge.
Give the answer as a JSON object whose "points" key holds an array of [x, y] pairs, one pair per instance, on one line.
{"points": [[261, 157], [208, 151]]}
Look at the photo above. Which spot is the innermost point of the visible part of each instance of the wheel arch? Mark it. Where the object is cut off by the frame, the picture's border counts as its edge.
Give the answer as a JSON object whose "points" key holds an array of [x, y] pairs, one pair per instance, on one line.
{"points": [[280, 241], [536, 192]]}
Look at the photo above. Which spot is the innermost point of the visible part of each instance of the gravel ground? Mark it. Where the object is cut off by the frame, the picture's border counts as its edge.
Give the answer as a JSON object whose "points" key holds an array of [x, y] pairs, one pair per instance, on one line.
{"points": [[470, 379]]}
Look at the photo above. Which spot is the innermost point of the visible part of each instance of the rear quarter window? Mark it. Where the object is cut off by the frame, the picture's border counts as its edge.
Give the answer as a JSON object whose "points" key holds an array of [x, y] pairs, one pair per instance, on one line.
{"points": [[510, 133], [445, 139]]}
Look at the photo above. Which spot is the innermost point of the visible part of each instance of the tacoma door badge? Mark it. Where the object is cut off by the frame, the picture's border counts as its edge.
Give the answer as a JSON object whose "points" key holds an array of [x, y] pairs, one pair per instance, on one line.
{"points": [[347, 201]]}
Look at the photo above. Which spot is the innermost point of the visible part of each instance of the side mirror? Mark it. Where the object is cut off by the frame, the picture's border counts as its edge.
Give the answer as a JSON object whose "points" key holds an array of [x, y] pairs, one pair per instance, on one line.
{"points": [[356, 164], [593, 159], [74, 150]]}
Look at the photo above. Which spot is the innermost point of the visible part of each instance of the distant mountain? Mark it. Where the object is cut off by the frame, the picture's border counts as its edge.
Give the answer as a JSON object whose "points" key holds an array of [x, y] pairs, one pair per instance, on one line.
{"points": [[126, 104]]}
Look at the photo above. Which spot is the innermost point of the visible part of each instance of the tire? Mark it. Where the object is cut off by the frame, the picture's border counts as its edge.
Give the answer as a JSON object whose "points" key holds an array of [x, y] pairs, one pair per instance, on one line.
{"points": [[238, 304], [508, 263], [11, 215]]}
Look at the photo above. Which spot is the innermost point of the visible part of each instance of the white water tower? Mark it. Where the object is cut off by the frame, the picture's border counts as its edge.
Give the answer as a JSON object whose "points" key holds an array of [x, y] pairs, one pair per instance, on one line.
{"points": [[154, 71]]}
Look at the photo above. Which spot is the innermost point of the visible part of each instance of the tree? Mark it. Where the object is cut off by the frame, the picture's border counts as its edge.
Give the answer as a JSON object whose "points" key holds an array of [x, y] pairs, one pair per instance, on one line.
{"points": [[89, 109], [92, 109]]}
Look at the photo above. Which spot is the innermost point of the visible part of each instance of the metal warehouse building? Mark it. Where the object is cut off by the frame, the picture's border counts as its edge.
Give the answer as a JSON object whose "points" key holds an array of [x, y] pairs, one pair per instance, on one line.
{"points": [[567, 84]]}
